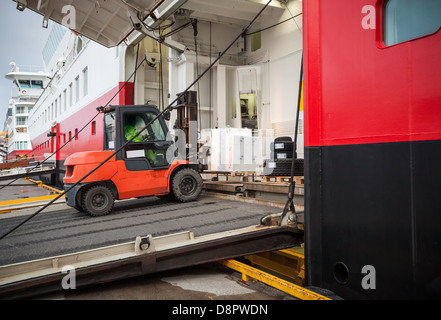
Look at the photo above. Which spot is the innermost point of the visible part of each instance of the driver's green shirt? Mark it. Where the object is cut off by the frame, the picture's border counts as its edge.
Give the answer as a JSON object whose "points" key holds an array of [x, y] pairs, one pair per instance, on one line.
{"points": [[130, 132]]}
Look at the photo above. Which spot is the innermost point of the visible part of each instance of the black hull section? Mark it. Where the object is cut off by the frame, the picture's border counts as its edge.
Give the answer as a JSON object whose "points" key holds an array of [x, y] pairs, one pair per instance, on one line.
{"points": [[374, 205]]}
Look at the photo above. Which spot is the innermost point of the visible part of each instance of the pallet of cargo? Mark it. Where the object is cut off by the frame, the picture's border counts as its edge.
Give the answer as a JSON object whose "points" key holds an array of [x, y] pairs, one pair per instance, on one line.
{"points": [[280, 179], [243, 175]]}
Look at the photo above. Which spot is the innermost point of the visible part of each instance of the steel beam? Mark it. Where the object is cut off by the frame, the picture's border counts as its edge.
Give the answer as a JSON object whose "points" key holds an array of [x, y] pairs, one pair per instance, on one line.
{"points": [[273, 281]]}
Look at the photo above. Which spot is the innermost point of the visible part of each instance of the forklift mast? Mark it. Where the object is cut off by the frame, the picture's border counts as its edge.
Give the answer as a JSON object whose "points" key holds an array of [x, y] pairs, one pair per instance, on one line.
{"points": [[187, 122]]}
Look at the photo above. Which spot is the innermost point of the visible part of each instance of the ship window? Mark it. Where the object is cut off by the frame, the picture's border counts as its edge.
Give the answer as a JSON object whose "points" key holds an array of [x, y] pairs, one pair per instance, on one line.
{"points": [[38, 84], [79, 44], [20, 110], [70, 95], [93, 128], [24, 84], [77, 88], [22, 121], [76, 134], [404, 20], [85, 82]]}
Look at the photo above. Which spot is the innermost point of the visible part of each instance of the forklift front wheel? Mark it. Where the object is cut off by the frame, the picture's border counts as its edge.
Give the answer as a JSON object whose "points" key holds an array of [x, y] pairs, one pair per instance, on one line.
{"points": [[186, 185], [98, 201]]}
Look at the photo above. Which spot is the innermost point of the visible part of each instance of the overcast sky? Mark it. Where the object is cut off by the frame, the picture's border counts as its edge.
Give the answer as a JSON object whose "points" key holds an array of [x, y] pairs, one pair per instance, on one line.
{"points": [[22, 40]]}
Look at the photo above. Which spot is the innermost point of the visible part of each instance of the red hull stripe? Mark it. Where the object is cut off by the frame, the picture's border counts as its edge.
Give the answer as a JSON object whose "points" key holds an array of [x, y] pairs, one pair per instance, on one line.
{"points": [[86, 140], [356, 90]]}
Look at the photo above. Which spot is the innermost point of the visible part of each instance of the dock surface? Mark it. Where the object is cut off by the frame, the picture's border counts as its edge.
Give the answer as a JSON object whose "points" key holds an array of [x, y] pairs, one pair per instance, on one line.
{"points": [[20, 189]]}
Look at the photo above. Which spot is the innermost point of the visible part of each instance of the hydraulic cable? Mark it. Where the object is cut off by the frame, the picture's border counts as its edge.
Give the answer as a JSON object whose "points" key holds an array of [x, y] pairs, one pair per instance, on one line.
{"points": [[285, 4], [134, 77], [161, 80], [195, 35], [169, 108], [275, 25], [177, 29], [289, 206]]}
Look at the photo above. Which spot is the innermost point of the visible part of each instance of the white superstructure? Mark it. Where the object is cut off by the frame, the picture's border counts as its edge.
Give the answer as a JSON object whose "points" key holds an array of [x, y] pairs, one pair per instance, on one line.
{"points": [[29, 85]]}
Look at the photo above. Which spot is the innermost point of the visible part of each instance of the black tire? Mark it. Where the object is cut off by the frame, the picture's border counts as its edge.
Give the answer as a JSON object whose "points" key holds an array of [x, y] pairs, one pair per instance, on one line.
{"points": [[98, 201], [78, 205], [186, 185], [282, 146], [282, 167], [281, 139]]}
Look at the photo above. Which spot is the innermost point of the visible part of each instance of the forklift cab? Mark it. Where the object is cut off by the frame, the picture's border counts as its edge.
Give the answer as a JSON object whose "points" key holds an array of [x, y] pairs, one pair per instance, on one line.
{"points": [[150, 149]]}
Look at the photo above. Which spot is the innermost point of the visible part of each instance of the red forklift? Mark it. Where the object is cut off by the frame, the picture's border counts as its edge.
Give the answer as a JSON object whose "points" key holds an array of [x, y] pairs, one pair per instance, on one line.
{"points": [[144, 159]]}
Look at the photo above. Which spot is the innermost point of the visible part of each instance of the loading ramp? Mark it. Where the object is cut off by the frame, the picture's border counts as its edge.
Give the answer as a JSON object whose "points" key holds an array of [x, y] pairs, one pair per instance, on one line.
{"points": [[230, 230], [145, 255]]}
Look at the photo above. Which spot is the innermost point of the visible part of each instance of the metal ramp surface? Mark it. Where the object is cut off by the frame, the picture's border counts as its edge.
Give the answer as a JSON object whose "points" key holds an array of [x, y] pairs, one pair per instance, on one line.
{"points": [[17, 173]]}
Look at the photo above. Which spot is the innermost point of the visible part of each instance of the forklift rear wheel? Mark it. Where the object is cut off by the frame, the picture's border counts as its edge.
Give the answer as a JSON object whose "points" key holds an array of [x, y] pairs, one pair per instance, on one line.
{"points": [[98, 201], [186, 185]]}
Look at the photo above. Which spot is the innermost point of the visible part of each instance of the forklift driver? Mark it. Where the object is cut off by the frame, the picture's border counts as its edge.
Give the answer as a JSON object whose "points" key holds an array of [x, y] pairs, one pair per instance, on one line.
{"points": [[130, 131]]}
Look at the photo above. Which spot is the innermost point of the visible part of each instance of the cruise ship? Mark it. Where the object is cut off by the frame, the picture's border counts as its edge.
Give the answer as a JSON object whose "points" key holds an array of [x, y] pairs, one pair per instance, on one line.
{"points": [[29, 83], [250, 90]]}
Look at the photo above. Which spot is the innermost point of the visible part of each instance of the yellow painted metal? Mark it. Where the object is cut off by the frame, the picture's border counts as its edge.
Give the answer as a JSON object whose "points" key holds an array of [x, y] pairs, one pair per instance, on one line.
{"points": [[288, 262], [40, 184], [8, 206], [273, 281]]}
